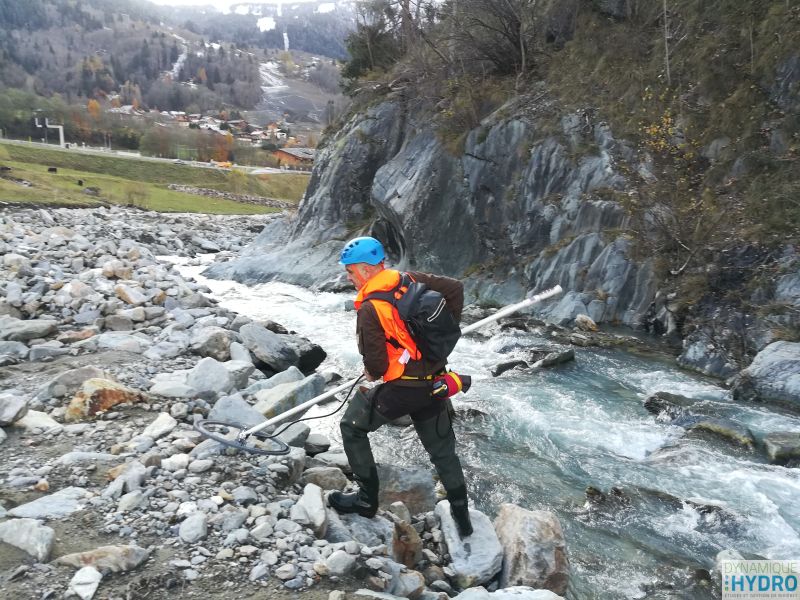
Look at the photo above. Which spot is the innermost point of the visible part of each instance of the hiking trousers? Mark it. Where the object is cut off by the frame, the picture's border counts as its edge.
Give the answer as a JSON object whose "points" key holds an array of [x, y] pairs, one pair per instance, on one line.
{"points": [[369, 412]]}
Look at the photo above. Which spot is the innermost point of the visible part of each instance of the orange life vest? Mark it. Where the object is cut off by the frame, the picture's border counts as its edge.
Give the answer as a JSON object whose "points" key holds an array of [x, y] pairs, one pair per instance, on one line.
{"points": [[401, 348]]}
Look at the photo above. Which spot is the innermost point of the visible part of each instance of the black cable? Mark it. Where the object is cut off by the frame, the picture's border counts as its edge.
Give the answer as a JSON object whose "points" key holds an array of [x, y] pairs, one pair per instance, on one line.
{"points": [[290, 423]]}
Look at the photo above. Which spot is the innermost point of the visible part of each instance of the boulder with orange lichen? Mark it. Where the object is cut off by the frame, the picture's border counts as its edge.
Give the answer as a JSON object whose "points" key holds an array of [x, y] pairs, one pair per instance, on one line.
{"points": [[98, 395]]}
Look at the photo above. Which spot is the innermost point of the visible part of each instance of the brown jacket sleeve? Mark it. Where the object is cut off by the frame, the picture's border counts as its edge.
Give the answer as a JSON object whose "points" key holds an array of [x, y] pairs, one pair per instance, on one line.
{"points": [[371, 340]]}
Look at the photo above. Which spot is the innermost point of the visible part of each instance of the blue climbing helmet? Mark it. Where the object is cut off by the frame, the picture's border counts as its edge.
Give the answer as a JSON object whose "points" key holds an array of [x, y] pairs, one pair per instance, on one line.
{"points": [[362, 250]]}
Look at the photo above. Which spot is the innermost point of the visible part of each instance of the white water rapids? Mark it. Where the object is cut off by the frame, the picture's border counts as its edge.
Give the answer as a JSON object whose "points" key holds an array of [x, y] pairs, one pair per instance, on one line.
{"points": [[550, 434]]}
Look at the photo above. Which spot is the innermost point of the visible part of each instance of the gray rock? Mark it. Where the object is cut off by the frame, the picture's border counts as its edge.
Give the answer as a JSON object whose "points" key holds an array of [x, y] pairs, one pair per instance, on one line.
{"points": [[118, 322], [211, 341], [21, 331], [286, 396], [107, 559], [131, 500], [80, 458], [370, 532], [161, 426], [268, 347], [15, 349], [194, 528], [84, 583], [295, 435], [12, 408], [260, 571], [290, 375], [28, 535], [510, 593], [534, 549], [244, 495], [316, 443], [46, 352], [327, 478], [340, 563], [782, 446], [332, 458], [309, 510], [240, 353], [240, 371], [233, 409], [54, 506], [476, 559], [210, 375], [773, 376], [163, 351], [35, 421]]}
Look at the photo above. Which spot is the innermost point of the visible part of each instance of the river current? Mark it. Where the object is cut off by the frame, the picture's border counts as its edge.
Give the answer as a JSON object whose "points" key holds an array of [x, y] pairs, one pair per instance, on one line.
{"points": [[549, 434]]}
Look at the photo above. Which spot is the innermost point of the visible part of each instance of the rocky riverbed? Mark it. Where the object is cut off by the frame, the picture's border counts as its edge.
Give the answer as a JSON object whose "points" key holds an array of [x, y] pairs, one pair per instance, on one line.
{"points": [[107, 490]]}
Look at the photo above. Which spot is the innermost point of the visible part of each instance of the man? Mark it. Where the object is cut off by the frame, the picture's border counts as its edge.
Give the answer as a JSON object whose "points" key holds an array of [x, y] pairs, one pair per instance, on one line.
{"points": [[390, 354]]}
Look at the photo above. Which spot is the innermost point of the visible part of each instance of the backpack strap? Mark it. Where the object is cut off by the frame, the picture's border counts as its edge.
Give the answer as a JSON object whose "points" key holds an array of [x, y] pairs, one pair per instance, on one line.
{"points": [[393, 295]]}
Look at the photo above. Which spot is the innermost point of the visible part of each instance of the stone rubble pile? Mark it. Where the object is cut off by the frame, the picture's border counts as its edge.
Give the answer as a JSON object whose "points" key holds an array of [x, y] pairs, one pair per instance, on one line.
{"points": [[111, 356]]}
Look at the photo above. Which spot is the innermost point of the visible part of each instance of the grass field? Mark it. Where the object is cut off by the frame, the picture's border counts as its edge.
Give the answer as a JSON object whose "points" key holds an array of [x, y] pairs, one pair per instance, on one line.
{"points": [[133, 181]]}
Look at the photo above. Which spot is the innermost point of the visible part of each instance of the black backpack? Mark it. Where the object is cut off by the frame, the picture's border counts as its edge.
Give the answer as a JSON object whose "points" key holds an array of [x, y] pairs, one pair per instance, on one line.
{"points": [[425, 314]]}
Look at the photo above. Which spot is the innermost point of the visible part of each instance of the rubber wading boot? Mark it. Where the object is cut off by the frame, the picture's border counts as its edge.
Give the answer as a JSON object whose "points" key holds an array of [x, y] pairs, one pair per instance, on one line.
{"points": [[355, 502], [459, 510]]}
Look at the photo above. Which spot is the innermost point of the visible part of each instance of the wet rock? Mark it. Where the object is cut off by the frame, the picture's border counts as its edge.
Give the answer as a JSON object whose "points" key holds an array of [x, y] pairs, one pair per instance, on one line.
{"points": [[773, 376], [84, 583], [502, 367], [96, 395], [476, 559], [585, 323], [782, 446], [534, 549], [555, 358], [724, 429], [670, 405], [28, 535], [268, 347]]}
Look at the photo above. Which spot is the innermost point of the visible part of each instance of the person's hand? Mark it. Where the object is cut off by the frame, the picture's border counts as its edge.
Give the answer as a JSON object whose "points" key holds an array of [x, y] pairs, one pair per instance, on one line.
{"points": [[369, 377]]}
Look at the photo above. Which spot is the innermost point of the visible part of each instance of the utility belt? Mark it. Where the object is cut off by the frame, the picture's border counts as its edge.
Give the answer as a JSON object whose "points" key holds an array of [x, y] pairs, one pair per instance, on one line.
{"points": [[445, 383]]}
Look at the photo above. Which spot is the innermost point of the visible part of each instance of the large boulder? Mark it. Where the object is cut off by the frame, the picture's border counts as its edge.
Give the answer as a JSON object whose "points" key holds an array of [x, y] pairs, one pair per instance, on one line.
{"points": [[534, 549], [236, 411], [773, 376], [211, 341], [210, 376], [12, 408], [53, 506], [476, 559], [106, 559], [28, 535], [279, 352], [275, 401], [69, 381], [97, 395], [782, 446], [19, 330], [310, 510]]}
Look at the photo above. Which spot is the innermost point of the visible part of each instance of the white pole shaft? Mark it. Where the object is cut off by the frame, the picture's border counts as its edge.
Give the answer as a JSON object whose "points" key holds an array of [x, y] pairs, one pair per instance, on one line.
{"points": [[469, 328]]}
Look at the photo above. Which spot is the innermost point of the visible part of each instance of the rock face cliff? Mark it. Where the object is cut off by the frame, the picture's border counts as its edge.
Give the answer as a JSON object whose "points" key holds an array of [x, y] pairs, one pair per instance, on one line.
{"points": [[517, 210], [522, 207]]}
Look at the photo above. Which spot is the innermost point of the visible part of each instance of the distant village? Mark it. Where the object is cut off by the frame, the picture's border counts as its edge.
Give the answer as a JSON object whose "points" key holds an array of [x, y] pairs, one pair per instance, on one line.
{"points": [[289, 150]]}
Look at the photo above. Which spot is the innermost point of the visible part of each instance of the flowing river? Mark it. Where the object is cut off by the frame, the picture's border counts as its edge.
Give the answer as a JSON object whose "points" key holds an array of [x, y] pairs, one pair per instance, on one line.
{"points": [[548, 435]]}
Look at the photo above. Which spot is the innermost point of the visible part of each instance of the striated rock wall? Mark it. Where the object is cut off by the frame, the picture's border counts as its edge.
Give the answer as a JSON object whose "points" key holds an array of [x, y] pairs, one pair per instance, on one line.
{"points": [[518, 209]]}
